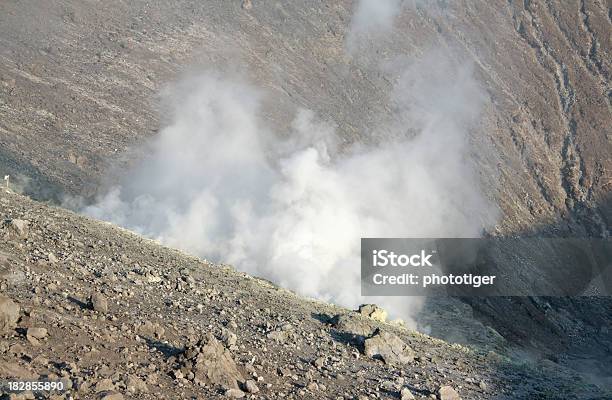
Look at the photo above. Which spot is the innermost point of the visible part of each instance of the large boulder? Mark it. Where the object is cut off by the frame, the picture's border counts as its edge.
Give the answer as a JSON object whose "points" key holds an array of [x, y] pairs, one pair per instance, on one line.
{"points": [[99, 303], [388, 347], [16, 228], [448, 393], [373, 311], [151, 329], [211, 364], [353, 324], [9, 314], [10, 272]]}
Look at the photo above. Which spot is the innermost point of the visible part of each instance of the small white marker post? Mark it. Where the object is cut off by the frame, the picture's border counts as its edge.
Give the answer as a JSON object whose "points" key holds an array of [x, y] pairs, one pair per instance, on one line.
{"points": [[6, 179]]}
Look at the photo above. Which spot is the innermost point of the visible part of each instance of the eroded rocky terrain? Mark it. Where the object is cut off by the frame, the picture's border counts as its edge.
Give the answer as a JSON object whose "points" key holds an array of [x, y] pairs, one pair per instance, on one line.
{"points": [[113, 315]]}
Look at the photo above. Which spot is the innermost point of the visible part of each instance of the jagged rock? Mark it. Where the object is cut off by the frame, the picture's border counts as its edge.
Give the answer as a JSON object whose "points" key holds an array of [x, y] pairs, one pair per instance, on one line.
{"points": [[52, 258], [38, 333], [234, 393], [4, 259], [99, 303], [388, 386], [448, 393], [9, 314], [110, 395], [151, 329], [406, 394], [135, 384], [388, 347], [178, 374], [35, 334], [228, 337], [104, 385], [251, 387], [151, 278], [277, 336], [17, 228], [319, 362], [27, 395], [353, 324], [212, 364], [373, 311], [398, 322], [11, 275], [9, 271], [152, 379], [14, 370]]}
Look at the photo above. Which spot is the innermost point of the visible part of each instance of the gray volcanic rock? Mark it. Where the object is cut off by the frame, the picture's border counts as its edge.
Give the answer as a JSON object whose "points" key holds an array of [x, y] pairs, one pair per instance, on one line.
{"points": [[251, 387], [353, 324], [9, 314], [37, 332], [388, 347], [373, 311], [448, 393], [211, 364], [110, 395], [406, 394], [17, 228], [9, 272], [135, 384], [15, 371], [99, 303]]}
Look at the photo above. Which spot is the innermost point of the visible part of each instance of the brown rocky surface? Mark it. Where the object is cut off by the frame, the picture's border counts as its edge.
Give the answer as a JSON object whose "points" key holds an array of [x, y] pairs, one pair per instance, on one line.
{"points": [[199, 328], [78, 85]]}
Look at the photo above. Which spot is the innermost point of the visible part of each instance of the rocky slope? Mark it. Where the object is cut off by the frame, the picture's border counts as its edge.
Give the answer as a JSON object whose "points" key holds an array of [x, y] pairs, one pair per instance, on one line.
{"points": [[78, 86], [113, 315]]}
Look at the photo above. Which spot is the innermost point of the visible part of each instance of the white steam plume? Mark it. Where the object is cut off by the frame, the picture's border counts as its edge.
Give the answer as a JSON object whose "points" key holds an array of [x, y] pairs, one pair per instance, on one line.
{"points": [[372, 19], [218, 184]]}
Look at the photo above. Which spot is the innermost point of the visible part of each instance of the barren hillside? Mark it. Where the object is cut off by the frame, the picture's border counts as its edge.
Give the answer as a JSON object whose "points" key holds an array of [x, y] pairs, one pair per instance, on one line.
{"points": [[116, 316]]}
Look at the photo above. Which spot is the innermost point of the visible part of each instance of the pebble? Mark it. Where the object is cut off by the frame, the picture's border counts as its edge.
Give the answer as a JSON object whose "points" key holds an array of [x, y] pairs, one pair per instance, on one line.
{"points": [[406, 394], [234, 394], [251, 386], [448, 393]]}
